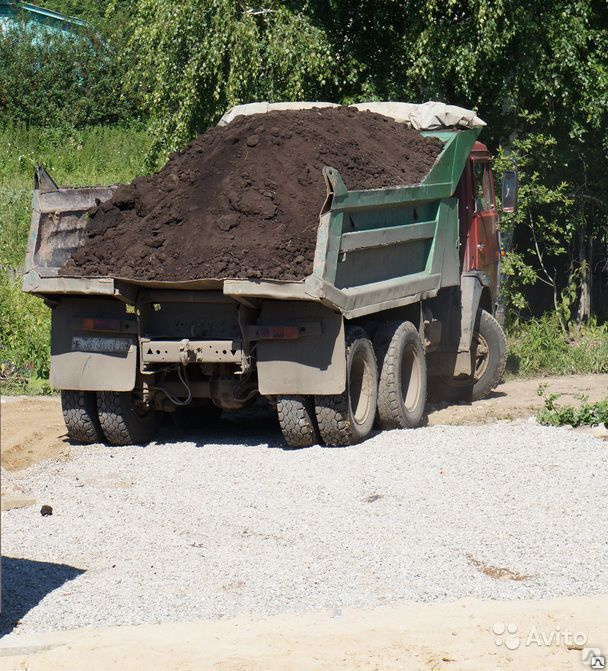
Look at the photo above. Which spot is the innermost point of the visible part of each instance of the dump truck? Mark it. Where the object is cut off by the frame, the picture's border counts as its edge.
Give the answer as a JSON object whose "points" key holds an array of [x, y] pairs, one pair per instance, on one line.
{"points": [[399, 306]]}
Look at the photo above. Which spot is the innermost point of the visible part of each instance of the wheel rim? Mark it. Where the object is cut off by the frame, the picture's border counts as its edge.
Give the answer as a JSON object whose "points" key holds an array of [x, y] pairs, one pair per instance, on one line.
{"points": [[411, 380], [480, 364], [360, 387], [481, 356]]}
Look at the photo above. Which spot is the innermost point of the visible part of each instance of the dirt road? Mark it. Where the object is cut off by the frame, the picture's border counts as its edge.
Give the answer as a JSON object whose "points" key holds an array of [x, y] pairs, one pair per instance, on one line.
{"points": [[461, 636], [520, 398], [33, 429]]}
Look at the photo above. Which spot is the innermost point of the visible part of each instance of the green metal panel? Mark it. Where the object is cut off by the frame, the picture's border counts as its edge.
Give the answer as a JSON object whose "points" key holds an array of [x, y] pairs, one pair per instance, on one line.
{"points": [[450, 268], [387, 247], [450, 163], [441, 181], [381, 237]]}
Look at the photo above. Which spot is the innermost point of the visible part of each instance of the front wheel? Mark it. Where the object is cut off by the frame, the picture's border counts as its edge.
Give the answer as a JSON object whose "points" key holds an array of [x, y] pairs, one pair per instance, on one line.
{"points": [[489, 359], [124, 419]]}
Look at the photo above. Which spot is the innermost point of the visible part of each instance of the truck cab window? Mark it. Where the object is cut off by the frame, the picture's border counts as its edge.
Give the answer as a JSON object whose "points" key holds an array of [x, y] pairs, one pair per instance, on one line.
{"points": [[483, 187], [488, 192]]}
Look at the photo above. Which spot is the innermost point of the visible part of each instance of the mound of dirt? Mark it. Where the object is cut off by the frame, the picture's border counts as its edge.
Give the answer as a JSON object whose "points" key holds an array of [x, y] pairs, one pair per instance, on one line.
{"points": [[243, 200]]}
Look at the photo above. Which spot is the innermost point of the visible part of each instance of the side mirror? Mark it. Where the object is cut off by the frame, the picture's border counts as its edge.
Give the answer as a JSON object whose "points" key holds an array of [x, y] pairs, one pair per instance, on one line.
{"points": [[509, 191]]}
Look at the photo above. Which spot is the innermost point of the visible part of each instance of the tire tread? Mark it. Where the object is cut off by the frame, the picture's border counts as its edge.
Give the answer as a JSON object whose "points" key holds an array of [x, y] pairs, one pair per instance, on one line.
{"points": [[118, 420], [297, 420], [502, 360], [333, 411], [391, 415], [80, 416]]}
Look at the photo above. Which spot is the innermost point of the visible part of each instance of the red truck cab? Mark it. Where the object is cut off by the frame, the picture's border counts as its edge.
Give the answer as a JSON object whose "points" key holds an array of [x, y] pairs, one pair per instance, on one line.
{"points": [[479, 225]]}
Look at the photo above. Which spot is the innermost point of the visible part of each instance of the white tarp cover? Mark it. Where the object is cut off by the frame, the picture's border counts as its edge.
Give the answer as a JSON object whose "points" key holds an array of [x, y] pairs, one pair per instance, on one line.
{"points": [[426, 116], [262, 108]]}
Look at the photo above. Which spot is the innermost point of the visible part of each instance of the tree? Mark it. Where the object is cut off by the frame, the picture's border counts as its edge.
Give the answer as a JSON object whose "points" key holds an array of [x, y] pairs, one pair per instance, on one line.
{"points": [[194, 58]]}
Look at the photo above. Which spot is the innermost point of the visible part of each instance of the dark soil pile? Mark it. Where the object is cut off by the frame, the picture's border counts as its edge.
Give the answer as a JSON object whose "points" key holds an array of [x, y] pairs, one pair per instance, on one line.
{"points": [[243, 200]]}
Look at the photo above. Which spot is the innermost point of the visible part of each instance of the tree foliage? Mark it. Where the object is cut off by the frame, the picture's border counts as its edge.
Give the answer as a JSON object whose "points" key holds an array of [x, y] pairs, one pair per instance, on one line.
{"points": [[192, 60], [49, 79]]}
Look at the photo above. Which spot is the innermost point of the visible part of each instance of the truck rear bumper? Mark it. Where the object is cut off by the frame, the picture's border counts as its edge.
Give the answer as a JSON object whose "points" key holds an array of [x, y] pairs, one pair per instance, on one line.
{"points": [[191, 351]]}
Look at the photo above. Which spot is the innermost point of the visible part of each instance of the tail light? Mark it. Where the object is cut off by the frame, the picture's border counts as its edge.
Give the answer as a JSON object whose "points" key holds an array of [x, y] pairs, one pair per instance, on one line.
{"points": [[278, 332], [97, 324]]}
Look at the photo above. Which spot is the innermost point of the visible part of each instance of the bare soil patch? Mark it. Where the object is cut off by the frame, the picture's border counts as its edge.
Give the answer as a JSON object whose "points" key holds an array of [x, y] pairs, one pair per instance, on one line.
{"points": [[517, 399], [427, 637], [32, 430]]}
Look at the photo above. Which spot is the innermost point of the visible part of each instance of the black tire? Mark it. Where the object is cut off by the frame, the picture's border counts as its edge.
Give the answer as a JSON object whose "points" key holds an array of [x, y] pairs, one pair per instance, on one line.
{"points": [[297, 419], [402, 383], [121, 423], [489, 349], [348, 418], [80, 416]]}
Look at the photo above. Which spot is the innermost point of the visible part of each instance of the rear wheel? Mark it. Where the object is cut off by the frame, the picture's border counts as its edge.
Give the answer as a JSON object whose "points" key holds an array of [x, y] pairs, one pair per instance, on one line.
{"points": [[347, 418], [402, 385], [489, 359], [124, 419], [297, 419], [80, 416]]}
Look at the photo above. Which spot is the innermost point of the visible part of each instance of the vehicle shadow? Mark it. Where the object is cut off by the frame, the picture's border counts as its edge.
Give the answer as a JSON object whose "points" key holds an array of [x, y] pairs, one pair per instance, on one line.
{"points": [[257, 425], [251, 426], [433, 406], [25, 583]]}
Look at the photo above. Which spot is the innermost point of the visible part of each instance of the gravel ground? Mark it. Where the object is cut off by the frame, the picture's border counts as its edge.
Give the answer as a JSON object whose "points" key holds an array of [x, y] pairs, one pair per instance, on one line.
{"points": [[186, 530]]}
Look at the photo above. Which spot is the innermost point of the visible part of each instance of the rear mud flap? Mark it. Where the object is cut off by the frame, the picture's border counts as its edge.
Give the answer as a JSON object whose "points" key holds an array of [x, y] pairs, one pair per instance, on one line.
{"points": [[112, 367], [313, 364]]}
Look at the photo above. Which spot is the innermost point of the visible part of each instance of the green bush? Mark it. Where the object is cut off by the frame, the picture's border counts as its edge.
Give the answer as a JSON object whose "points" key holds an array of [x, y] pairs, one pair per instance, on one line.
{"points": [[54, 80], [538, 347], [24, 332], [587, 414]]}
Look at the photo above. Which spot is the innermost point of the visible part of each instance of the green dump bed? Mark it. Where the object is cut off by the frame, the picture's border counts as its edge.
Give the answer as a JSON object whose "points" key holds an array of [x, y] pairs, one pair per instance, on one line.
{"points": [[376, 249]]}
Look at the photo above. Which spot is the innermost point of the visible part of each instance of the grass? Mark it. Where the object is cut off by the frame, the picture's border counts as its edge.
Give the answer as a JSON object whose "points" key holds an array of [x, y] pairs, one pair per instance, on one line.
{"points": [[586, 414], [87, 157], [538, 348]]}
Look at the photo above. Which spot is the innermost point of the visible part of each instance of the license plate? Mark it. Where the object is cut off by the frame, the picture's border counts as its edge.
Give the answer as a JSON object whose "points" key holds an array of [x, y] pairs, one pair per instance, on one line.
{"points": [[100, 344]]}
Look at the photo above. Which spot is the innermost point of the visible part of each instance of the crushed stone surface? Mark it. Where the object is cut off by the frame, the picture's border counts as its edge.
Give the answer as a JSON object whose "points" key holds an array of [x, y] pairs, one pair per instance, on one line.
{"points": [[229, 523]]}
